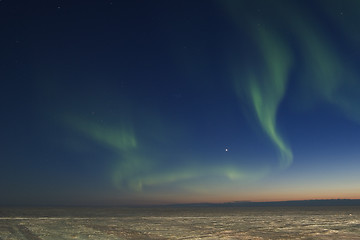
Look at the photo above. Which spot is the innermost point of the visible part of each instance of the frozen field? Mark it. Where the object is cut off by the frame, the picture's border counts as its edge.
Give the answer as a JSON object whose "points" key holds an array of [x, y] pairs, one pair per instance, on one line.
{"points": [[181, 223]]}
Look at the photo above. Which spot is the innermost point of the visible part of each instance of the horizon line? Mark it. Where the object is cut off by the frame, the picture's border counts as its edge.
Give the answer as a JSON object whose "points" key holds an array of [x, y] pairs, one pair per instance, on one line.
{"points": [[306, 202]]}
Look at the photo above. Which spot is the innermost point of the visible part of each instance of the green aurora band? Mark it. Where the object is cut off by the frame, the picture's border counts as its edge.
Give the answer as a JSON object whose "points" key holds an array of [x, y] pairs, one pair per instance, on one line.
{"points": [[284, 39], [277, 34], [326, 77], [266, 91], [135, 170]]}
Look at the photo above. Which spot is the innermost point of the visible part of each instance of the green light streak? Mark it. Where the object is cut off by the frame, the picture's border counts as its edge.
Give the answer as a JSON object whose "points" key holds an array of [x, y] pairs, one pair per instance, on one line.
{"points": [[122, 141], [126, 172], [265, 90], [326, 76], [120, 138], [266, 99], [187, 175], [134, 170]]}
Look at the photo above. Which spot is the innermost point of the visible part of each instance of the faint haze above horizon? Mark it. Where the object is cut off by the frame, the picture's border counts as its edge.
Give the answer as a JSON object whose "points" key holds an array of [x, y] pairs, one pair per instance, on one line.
{"points": [[172, 102]]}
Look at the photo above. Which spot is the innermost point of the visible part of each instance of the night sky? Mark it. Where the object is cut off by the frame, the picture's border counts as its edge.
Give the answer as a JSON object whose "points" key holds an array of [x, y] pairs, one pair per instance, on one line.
{"points": [[152, 102]]}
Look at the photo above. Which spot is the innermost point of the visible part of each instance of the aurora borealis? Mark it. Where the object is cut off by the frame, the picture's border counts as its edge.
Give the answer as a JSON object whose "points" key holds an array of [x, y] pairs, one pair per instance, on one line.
{"points": [[150, 102]]}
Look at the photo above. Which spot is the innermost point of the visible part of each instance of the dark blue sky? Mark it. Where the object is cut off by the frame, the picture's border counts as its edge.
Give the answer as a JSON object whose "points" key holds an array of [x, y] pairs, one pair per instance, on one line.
{"points": [[117, 102]]}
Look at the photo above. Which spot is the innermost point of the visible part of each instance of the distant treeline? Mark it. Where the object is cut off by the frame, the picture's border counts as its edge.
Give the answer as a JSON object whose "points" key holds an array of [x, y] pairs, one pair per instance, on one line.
{"points": [[330, 202]]}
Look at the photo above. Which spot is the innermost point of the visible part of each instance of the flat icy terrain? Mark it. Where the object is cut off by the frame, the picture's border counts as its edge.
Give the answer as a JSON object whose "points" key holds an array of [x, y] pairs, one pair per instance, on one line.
{"points": [[181, 223]]}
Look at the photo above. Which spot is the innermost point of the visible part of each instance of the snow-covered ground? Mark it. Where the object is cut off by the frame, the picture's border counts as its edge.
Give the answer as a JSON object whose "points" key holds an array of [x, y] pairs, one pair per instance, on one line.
{"points": [[181, 223]]}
